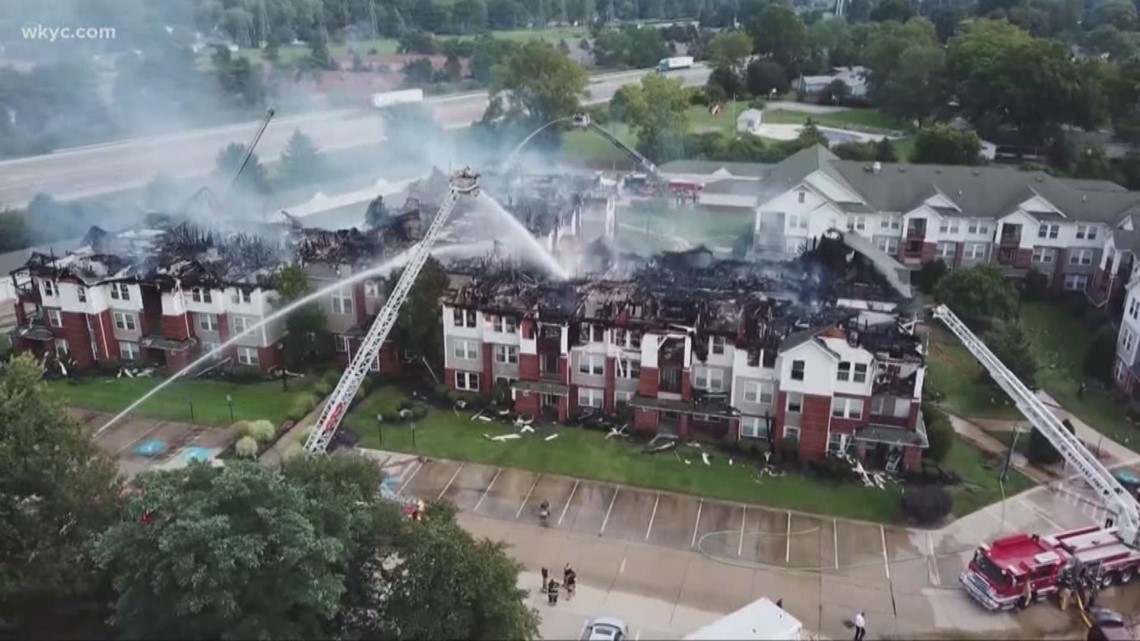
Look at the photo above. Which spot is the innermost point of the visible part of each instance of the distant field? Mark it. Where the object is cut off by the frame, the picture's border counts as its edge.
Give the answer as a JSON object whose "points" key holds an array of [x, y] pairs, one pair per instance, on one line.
{"points": [[855, 119]]}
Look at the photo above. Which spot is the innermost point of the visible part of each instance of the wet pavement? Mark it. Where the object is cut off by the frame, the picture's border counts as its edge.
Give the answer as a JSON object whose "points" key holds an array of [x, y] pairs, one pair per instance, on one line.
{"points": [[712, 556], [138, 444]]}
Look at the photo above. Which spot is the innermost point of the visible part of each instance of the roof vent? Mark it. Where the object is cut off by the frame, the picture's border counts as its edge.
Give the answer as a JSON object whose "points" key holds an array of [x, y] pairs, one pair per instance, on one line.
{"points": [[902, 169], [1084, 198], [876, 167], [977, 172], [959, 192]]}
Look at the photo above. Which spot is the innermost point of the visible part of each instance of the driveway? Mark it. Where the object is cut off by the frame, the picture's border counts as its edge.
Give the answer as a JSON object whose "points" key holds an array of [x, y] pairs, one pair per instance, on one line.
{"points": [[139, 444]]}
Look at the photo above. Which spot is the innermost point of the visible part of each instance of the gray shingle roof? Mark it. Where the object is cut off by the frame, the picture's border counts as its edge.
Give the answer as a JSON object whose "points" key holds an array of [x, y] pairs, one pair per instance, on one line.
{"points": [[708, 167], [733, 186], [1089, 184]]}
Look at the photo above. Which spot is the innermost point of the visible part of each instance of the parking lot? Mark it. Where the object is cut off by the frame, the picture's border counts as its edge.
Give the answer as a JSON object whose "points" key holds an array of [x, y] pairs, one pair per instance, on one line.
{"points": [[139, 444]]}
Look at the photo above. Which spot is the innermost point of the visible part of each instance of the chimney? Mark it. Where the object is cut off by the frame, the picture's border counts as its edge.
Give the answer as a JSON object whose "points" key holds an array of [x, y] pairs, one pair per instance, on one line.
{"points": [[876, 167]]}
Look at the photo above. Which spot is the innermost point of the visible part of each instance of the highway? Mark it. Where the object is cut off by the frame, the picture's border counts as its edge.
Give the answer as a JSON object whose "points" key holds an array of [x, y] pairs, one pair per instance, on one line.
{"points": [[118, 166]]}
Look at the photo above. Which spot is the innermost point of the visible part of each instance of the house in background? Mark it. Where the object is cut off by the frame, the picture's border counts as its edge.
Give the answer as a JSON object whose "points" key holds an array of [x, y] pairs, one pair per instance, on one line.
{"points": [[750, 121], [814, 88]]}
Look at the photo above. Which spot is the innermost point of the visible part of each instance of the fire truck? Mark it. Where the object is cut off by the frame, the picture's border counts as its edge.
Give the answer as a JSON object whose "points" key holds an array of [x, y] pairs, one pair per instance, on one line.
{"points": [[1014, 571]]}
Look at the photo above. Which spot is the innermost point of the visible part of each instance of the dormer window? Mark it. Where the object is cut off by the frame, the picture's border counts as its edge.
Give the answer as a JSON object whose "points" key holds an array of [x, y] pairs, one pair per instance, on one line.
{"points": [[801, 196], [120, 291], [200, 295], [49, 288]]}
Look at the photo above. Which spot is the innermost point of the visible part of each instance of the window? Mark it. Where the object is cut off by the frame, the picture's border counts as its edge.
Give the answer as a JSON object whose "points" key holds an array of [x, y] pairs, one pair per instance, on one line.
{"points": [[758, 392], [343, 344], [844, 373], [837, 443], [1086, 232], [795, 403], [467, 381], [792, 432], [1076, 282], [504, 324], [801, 196], [129, 351], [241, 324], [753, 427], [797, 370], [797, 221], [590, 396], [890, 222], [248, 356], [81, 292], [849, 408], [506, 354], [199, 295], [463, 317], [591, 364], [209, 347], [946, 251], [49, 288], [628, 368], [976, 251], [1134, 309], [860, 373], [1118, 372], [125, 321], [859, 223], [55, 319], [120, 291], [242, 297], [1044, 255], [1048, 230], [1081, 257], [342, 303], [972, 226], [716, 344], [955, 226], [943, 226], [888, 245], [1127, 339], [622, 398], [371, 289], [208, 322], [708, 378], [467, 350], [374, 366]]}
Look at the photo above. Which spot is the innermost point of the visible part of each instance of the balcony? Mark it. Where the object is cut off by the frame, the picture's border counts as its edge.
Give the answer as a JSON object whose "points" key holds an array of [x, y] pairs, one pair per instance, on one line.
{"points": [[1007, 256], [916, 229], [1010, 236], [548, 368], [670, 381]]}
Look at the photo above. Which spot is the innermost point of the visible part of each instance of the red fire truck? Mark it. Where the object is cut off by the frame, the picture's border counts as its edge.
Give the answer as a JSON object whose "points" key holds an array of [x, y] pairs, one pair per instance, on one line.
{"points": [[1016, 570]]}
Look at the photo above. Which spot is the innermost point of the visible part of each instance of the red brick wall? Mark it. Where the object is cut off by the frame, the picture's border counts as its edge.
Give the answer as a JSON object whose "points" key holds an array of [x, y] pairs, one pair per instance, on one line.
{"points": [[358, 302], [104, 326], [449, 377], [645, 421], [648, 383], [564, 370], [74, 331], [224, 335], [929, 252], [176, 361], [778, 422], [487, 378], [390, 359], [528, 367], [268, 357], [959, 251], [608, 393], [912, 417], [686, 384], [176, 327], [1023, 259], [911, 457], [527, 403], [813, 426], [846, 425]]}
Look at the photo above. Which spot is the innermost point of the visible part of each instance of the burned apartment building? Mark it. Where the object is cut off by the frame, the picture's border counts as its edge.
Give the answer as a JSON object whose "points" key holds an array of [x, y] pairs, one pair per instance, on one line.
{"points": [[164, 296], [820, 350]]}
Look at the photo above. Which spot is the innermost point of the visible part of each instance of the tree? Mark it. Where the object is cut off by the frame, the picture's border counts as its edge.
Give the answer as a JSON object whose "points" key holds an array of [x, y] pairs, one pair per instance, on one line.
{"points": [[978, 295], [728, 50], [1101, 354], [723, 84], [885, 150], [1007, 340], [781, 35], [238, 79], [766, 77], [946, 145], [418, 72], [906, 64], [304, 325], [892, 10], [229, 162], [419, 330], [319, 55], [301, 163], [939, 434], [543, 85], [930, 274], [1040, 451], [657, 114], [926, 504], [57, 490], [1123, 96], [809, 136]]}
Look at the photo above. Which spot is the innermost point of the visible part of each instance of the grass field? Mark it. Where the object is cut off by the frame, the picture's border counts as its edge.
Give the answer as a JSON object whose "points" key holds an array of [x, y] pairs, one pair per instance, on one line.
{"points": [[588, 146], [719, 229], [251, 401], [870, 120], [954, 374], [587, 454], [979, 472]]}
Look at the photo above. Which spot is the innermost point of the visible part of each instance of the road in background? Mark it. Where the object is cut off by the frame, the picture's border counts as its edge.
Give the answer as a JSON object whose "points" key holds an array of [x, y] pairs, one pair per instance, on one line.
{"points": [[112, 167]]}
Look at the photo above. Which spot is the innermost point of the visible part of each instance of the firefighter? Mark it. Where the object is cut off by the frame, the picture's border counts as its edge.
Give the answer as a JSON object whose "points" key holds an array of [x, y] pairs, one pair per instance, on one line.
{"points": [[552, 592]]}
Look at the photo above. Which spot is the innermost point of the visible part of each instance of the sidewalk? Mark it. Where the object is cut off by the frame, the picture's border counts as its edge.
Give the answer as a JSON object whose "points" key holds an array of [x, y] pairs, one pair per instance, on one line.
{"points": [[977, 436]]}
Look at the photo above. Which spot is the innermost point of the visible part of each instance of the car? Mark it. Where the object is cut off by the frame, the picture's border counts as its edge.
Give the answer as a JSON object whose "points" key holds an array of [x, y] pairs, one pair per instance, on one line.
{"points": [[1129, 480], [605, 629]]}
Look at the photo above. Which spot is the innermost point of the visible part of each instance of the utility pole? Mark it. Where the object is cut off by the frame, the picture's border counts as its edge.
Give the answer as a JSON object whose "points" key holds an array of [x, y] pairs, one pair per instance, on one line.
{"points": [[262, 24], [372, 17]]}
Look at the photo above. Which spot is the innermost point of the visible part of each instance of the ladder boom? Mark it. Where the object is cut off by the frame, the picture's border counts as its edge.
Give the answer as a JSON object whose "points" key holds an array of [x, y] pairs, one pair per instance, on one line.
{"points": [[1100, 479], [463, 183]]}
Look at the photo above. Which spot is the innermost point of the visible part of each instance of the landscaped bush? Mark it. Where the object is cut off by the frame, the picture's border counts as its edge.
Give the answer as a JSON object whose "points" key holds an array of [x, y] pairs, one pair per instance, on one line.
{"points": [[1101, 354], [939, 432], [246, 447], [1035, 287], [294, 450], [240, 429], [322, 388], [1040, 451], [262, 431], [419, 411], [301, 406], [926, 504]]}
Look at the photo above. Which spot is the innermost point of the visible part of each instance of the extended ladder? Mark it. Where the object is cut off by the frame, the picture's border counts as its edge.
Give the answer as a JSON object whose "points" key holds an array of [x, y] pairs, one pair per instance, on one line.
{"points": [[462, 183], [1115, 497]]}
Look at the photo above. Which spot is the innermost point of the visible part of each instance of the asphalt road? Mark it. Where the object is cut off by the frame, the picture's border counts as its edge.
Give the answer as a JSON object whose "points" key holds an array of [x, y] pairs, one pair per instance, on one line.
{"points": [[111, 167]]}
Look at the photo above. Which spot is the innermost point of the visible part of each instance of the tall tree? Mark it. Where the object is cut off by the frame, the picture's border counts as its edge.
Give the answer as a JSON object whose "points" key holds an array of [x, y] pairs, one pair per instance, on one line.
{"points": [[305, 326], [301, 163], [892, 10], [980, 295], [781, 34], [228, 164], [419, 329], [57, 490], [543, 85], [946, 145], [728, 50], [656, 111]]}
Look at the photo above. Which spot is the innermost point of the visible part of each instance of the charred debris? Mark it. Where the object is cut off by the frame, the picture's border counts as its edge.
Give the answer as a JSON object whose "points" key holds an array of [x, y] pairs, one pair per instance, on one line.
{"points": [[763, 307]]}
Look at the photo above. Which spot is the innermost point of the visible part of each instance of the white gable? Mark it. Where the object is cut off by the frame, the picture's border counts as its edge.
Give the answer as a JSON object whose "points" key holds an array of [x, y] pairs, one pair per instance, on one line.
{"points": [[923, 211], [826, 216], [1019, 217], [939, 200], [1039, 204], [722, 172], [831, 189], [1126, 223]]}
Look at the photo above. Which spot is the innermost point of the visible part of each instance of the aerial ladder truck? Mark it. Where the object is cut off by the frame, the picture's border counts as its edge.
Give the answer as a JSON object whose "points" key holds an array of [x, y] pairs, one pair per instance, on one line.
{"points": [[1016, 570], [463, 184]]}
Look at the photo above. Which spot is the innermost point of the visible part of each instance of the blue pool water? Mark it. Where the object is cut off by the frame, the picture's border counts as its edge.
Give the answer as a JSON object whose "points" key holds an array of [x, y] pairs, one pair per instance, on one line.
{"points": [[151, 447]]}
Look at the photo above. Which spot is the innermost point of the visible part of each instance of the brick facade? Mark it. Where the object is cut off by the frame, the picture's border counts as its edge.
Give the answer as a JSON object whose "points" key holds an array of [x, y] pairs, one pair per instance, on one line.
{"points": [[177, 327]]}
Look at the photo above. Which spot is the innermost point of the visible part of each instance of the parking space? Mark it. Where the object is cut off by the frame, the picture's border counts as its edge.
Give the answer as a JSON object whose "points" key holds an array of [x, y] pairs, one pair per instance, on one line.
{"points": [[508, 495], [811, 543], [765, 539], [631, 516], [140, 444], [468, 486], [719, 529], [675, 523], [589, 507], [862, 553], [431, 479], [908, 554], [556, 490]]}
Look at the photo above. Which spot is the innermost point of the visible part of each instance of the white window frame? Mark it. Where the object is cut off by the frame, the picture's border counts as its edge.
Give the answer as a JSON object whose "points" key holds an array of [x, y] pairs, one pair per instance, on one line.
{"points": [[758, 392], [507, 354], [248, 356], [242, 297], [801, 196], [505, 325], [843, 371], [1048, 230], [371, 289], [1044, 255], [1134, 309], [49, 288], [972, 251], [1081, 257], [622, 397], [972, 226], [54, 317], [716, 344], [946, 250], [803, 370], [1118, 372], [753, 427], [859, 373], [241, 324], [467, 381], [129, 351], [890, 222], [81, 293], [201, 295], [847, 407], [591, 397], [1076, 282], [209, 347], [631, 370], [208, 322], [889, 246], [792, 432], [343, 343], [466, 350], [955, 226], [795, 400], [342, 303], [840, 441], [1126, 338], [62, 348], [944, 226], [704, 379], [592, 365], [463, 317], [125, 321], [1092, 233], [120, 291]]}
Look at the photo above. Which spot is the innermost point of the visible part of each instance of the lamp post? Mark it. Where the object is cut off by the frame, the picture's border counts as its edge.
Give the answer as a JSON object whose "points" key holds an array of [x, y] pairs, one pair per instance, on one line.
{"points": [[380, 427], [413, 436], [281, 364], [230, 402], [190, 402]]}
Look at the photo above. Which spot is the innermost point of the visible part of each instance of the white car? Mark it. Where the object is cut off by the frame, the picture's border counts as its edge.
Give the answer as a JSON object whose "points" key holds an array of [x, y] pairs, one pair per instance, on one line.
{"points": [[605, 629]]}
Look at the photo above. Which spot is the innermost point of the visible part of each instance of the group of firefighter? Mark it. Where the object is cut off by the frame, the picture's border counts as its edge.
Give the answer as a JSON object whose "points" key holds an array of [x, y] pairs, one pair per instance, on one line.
{"points": [[1077, 583]]}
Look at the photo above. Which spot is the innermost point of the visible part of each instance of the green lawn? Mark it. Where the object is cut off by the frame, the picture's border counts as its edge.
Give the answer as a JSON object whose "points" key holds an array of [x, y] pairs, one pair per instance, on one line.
{"points": [[251, 401], [714, 229], [588, 454], [869, 120], [589, 146], [701, 121], [954, 374], [979, 472]]}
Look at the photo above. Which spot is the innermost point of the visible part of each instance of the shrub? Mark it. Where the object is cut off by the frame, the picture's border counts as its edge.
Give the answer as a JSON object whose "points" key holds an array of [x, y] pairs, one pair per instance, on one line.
{"points": [[301, 406], [322, 388], [246, 447], [758, 103], [930, 274], [293, 450], [262, 431], [789, 450], [1101, 354], [241, 429], [926, 504], [939, 432], [1035, 287], [419, 411], [1041, 451]]}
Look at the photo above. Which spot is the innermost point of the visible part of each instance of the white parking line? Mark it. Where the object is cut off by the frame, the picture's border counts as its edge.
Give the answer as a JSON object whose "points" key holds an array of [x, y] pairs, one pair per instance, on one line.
{"points": [[637, 635], [533, 485], [788, 537], [652, 516], [697, 525], [486, 491], [410, 477], [617, 490], [445, 487], [935, 579], [835, 540], [145, 434], [568, 501], [886, 561], [740, 545], [1041, 513]]}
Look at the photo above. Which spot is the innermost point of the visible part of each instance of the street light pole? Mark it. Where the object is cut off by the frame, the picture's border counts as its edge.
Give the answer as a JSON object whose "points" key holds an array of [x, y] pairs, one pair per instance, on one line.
{"points": [[380, 427], [190, 402]]}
